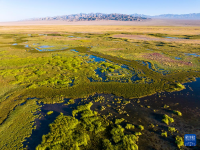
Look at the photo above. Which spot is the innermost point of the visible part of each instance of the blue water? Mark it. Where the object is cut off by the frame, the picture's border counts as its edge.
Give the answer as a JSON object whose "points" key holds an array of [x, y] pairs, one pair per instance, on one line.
{"points": [[159, 70], [73, 50], [177, 58], [101, 74], [42, 50], [26, 46], [96, 59], [172, 37], [135, 78], [192, 54], [15, 44], [45, 46]]}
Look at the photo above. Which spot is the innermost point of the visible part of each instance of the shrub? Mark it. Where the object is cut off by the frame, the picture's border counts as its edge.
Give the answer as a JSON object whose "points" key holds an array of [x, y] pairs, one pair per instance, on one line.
{"points": [[118, 121], [172, 129], [179, 141], [177, 112], [129, 142], [164, 134], [166, 106], [130, 126], [117, 133], [138, 133], [107, 145], [141, 127], [49, 112], [166, 119], [151, 125], [71, 101]]}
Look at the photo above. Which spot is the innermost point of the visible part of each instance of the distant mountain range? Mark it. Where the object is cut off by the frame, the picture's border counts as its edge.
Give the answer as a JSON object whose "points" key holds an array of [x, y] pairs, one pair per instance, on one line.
{"points": [[172, 16], [119, 17], [94, 16]]}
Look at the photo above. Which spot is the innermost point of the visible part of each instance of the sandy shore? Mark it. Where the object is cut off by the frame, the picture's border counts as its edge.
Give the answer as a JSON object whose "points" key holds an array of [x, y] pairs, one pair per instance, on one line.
{"points": [[152, 22]]}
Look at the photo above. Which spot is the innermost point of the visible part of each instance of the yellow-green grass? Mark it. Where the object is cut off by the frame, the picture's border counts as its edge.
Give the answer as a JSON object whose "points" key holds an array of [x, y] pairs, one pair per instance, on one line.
{"points": [[176, 30], [18, 126]]}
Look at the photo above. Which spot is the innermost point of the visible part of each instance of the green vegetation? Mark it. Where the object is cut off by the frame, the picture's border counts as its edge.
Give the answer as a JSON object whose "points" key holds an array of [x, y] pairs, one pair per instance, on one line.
{"points": [[99, 99], [130, 126], [151, 125], [18, 126], [179, 141], [138, 133], [179, 86], [141, 127], [165, 106], [49, 112], [177, 112], [71, 101], [166, 119], [117, 133], [118, 121], [164, 134], [172, 129]]}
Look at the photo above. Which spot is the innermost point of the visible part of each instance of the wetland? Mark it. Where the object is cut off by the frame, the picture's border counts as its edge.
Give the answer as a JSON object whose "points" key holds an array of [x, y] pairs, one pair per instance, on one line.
{"points": [[109, 90]]}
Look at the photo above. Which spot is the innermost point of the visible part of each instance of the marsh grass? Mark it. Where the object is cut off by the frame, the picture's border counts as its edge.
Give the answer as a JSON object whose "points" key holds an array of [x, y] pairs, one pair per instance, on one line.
{"points": [[18, 126]]}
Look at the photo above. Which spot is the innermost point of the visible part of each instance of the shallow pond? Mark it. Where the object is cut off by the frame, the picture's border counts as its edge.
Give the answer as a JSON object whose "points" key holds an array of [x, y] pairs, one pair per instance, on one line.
{"points": [[45, 46], [168, 37], [177, 58]]}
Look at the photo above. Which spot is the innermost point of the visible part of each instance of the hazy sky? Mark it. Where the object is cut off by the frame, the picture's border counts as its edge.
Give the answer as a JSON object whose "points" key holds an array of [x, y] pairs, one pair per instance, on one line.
{"points": [[14, 10]]}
